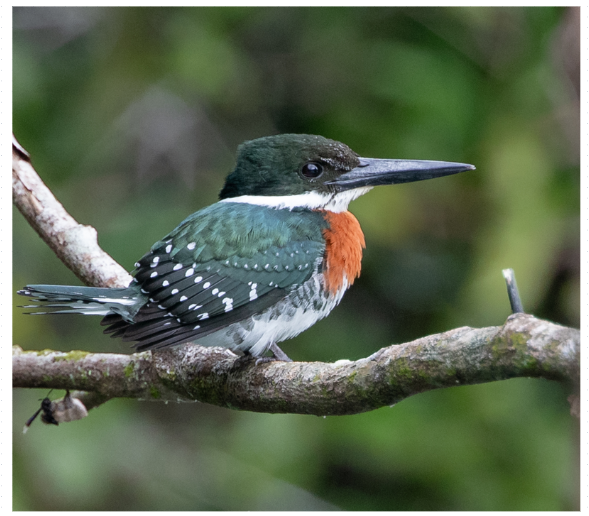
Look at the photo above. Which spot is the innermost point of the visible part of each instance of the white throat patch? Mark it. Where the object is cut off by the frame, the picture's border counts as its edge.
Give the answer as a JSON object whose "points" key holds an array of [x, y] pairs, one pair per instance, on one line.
{"points": [[336, 202]]}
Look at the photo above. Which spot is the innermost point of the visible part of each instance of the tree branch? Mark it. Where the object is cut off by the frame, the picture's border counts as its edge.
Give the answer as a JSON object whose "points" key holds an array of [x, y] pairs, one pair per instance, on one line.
{"points": [[523, 347], [74, 244]]}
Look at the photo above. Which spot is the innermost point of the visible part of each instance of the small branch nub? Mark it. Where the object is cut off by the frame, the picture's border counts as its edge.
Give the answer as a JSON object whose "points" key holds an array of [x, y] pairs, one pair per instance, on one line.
{"points": [[513, 292]]}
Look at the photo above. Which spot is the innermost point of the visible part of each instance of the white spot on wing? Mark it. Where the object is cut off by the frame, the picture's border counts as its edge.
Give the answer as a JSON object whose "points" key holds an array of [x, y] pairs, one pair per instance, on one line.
{"points": [[253, 292], [228, 301]]}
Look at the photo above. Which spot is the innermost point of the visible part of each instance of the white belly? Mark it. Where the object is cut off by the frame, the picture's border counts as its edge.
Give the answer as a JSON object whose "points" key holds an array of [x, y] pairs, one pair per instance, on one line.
{"points": [[301, 309]]}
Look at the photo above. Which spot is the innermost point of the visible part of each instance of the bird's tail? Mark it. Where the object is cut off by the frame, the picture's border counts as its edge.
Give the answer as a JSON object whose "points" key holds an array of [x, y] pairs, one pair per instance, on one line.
{"points": [[61, 299]]}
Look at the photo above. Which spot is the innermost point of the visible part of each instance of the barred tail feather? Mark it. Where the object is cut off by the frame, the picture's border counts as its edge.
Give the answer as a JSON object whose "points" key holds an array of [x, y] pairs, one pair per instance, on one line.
{"points": [[62, 299]]}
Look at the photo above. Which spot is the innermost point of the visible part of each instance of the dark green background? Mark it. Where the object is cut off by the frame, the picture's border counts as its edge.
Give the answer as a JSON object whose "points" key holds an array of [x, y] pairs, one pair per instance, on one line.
{"points": [[132, 117]]}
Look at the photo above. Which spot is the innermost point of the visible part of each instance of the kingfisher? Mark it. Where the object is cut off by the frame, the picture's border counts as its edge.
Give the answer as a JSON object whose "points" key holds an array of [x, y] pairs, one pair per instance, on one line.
{"points": [[272, 257]]}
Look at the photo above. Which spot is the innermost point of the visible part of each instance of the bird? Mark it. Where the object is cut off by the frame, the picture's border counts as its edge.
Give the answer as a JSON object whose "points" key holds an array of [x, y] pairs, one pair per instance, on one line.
{"points": [[272, 257]]}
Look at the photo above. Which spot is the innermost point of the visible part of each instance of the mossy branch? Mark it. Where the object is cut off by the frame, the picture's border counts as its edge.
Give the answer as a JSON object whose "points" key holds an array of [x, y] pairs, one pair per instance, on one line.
{"points": [[523, 347]]}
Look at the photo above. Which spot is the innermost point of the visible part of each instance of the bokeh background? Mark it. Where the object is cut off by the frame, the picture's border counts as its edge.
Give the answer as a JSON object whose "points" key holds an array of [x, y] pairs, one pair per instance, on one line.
{"points": [[132, 117]]}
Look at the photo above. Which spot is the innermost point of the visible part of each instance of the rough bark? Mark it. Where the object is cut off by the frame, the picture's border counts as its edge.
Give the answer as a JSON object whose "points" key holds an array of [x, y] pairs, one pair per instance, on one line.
{"points": [[523, 347]]}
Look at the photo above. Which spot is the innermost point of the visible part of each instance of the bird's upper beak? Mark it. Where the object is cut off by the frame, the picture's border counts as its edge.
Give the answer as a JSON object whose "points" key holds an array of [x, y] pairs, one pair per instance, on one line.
{"points": [[375, 172]]}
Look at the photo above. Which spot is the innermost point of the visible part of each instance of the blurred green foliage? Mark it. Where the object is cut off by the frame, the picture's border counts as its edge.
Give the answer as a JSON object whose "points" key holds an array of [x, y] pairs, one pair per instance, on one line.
{"points": [[132, 117]]}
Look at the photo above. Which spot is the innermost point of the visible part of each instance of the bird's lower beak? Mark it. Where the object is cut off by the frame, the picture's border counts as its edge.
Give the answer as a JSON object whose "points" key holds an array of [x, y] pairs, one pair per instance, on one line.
{"points": [[375, 172]]}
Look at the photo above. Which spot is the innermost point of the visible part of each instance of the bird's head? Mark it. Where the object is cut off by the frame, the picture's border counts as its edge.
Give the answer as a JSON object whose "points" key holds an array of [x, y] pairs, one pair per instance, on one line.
{"points": [[301, 170]]}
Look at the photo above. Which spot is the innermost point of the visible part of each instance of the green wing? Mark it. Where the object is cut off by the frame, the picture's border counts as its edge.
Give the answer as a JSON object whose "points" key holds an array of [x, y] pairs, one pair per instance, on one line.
{"points": [[219, 266]]}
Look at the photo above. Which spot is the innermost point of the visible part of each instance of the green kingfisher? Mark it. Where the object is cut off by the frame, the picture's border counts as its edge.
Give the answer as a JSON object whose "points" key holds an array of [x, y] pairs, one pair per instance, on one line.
{"points": [[271, 258]]}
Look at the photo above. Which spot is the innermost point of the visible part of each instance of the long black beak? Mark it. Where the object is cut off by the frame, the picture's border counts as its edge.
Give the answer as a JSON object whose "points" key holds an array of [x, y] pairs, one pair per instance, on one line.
{"points": [[375, 172]]}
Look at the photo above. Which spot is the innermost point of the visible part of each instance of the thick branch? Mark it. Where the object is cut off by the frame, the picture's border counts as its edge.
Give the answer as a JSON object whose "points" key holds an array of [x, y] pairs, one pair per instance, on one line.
{"points": [[523, 347], [74, 244]]}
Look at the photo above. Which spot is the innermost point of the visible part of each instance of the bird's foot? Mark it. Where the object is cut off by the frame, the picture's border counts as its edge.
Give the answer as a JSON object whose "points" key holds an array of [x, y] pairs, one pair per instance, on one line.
{"points": [[247, 358], [242, 362]]}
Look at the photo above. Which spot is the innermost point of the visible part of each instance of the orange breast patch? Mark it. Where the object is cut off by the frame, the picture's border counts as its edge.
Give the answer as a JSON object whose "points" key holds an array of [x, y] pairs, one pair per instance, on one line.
{"points": [[343, 253]]}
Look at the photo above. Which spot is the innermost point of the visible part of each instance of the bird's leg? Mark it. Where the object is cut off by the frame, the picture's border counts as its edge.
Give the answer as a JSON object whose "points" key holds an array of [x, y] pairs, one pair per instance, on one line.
{"points": [[278, 353]]}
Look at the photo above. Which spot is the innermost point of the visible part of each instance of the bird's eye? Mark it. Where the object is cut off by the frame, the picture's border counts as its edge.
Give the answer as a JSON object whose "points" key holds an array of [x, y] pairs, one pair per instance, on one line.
{"points": [[312, 169]]}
